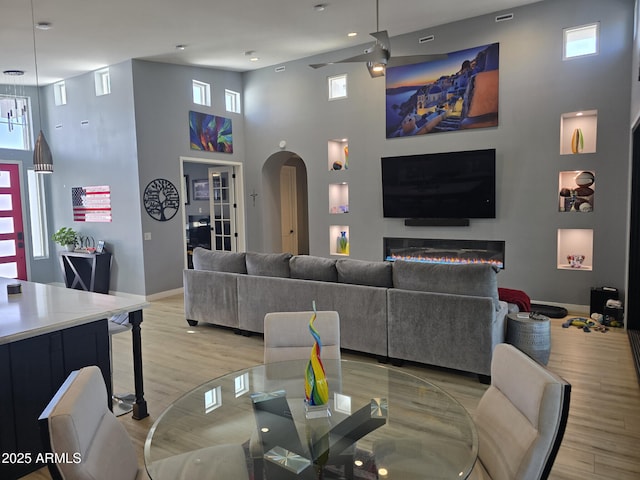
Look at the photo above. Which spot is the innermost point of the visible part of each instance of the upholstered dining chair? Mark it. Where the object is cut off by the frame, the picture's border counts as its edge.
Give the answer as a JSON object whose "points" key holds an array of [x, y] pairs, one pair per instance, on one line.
{"points": [[77, 422], [520, 419], [287, 337], [79, 428]]}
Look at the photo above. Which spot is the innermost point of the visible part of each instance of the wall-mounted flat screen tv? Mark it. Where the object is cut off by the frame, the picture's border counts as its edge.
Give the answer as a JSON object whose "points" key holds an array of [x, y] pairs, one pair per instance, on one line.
{"points": [[440, 185]]}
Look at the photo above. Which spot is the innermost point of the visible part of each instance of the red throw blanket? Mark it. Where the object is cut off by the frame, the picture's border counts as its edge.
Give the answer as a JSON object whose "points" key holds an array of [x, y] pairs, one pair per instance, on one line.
{"points": [[518, 297]]}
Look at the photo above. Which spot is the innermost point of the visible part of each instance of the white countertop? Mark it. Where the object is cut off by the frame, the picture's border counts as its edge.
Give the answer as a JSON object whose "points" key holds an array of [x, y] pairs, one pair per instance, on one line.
{"points": [[41, 309]]}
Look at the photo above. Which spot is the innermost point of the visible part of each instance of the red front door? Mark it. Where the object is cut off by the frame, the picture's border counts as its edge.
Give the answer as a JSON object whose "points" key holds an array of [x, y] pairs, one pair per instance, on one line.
{"points": [[13, 263]]}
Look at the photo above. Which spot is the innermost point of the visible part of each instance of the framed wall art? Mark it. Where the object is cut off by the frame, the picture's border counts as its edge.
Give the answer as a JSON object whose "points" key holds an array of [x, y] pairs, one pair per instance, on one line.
{"points": [[210, 133], [201, 189], [457, 93]]}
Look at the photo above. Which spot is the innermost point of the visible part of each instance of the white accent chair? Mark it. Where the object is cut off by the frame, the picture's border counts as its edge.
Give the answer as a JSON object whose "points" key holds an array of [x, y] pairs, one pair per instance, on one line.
{"points": [[81, 430], [287, 336], [520, 419]]}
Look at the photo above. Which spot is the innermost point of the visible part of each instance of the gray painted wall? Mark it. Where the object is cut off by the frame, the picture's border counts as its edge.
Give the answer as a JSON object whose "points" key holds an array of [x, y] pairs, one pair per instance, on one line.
{"points": [[100, 152], [163, 98], [536, 88]]}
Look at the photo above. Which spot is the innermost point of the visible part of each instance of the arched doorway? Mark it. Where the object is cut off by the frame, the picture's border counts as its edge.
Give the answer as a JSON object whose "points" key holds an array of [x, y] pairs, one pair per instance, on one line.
{"points": [[286, 218]]}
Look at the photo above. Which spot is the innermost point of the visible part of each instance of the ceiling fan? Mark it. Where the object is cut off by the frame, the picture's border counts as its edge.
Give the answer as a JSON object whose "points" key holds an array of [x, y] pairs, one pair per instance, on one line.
{"points": [[378, 56]]}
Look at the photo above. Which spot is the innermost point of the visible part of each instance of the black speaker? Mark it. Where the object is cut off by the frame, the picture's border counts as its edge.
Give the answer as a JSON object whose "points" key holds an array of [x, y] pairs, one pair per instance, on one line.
{"points": [[436, 222], [599, 297]]}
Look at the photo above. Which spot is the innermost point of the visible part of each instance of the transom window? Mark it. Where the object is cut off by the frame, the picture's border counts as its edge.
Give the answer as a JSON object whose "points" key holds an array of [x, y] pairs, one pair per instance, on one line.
{"points": [[581, 41], [60, 93], [337, 86], [201, 93], [103, 82], [232, 101]]}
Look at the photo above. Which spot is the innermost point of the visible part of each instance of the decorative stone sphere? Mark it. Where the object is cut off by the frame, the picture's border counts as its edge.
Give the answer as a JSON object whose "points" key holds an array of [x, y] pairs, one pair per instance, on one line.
{"points": [[585, 207], [585, 179]]}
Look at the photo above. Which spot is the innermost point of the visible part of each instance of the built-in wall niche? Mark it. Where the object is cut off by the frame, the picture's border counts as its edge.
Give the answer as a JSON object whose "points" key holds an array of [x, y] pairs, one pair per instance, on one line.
{"points": [[578, 132], [575, 249], [338, 198], [576, 191], [339, 240], [338, 154]]}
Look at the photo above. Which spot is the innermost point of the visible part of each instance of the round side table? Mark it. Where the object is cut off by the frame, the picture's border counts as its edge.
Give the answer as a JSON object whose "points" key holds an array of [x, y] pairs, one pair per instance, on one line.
{"points": [[531, 335]]}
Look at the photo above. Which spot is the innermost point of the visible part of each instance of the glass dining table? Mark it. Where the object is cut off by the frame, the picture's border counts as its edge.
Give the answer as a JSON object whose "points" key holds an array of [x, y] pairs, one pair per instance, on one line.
{"points": [[380, 422]]}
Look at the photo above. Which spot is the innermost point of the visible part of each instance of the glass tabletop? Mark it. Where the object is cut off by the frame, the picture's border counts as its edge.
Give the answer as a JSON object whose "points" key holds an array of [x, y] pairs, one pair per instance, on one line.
{"points": [[382, 423]]}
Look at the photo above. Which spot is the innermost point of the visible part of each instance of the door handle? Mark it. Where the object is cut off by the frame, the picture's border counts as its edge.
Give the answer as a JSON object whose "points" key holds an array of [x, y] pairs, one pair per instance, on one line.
{"points": [[20, 236], [290, 231]]}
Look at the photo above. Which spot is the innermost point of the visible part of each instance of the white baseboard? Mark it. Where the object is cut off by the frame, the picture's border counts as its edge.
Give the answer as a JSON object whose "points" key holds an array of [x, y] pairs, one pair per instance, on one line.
{"points": [[165, 294]]}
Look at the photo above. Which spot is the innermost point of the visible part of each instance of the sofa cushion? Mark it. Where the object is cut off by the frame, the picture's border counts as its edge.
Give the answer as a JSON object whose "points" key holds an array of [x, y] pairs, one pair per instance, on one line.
{"points": [[477, 280], [230, 262], [268, 264], [360, 272], [313, 268]]}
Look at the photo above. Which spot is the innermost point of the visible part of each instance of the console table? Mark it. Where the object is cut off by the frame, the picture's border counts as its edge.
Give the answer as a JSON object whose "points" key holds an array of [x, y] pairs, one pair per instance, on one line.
{"points": [[86, 271], [46, 332]]}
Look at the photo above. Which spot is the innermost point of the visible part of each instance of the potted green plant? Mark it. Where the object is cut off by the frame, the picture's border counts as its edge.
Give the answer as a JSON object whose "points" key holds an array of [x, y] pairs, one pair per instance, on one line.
{"points": [[65, 236]]}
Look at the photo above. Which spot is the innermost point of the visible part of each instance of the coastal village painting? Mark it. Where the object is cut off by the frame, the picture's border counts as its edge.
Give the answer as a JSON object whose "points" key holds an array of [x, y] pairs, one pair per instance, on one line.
{"points": [[457, 93]]}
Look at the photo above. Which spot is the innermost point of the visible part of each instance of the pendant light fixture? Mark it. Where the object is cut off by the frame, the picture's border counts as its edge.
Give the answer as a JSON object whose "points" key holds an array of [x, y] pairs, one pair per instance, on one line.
{"points": [[42, 159]]}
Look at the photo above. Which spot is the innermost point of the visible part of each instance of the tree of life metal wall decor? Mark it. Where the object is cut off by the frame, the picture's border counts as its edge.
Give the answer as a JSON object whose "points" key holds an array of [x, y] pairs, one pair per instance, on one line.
{"points": [[161, 199]]}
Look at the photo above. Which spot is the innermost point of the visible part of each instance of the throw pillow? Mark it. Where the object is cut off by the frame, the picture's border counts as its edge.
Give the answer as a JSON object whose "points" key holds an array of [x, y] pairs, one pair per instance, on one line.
{"points": [[313, 268], [360, 272], [231, 262], [268, 264], [478, 279]]}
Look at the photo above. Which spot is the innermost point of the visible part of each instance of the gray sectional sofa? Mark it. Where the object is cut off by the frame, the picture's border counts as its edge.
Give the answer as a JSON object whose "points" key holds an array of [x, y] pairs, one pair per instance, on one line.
{"points": [[444, 315]]}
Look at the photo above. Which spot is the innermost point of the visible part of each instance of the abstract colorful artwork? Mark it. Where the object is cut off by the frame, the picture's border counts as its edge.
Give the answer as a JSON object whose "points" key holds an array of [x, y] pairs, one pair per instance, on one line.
{"points": [[457, 93], [210, 133]]}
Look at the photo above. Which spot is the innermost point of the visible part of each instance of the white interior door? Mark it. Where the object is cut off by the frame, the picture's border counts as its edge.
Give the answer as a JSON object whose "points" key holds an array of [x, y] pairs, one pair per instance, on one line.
{"points": [[288, 209], [223, 208]]}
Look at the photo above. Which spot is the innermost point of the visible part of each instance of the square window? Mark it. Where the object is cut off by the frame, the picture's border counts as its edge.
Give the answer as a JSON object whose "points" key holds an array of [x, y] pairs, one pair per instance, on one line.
{"points": [[338, 86], [232, 101], [581, 41], [201, 93], [102, 81], [60, 93]]}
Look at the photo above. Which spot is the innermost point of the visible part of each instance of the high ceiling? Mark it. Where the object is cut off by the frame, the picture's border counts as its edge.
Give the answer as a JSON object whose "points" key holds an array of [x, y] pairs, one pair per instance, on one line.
{"points": [[89, 34]]}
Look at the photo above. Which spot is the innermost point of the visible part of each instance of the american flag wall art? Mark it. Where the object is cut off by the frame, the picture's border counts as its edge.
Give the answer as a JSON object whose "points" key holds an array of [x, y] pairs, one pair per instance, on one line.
{"points": [[91, 204]]}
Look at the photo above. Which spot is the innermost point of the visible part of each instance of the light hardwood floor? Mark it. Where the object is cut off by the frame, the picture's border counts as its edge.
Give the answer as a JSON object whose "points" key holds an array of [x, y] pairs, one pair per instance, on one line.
{"points": [[602, 440]]}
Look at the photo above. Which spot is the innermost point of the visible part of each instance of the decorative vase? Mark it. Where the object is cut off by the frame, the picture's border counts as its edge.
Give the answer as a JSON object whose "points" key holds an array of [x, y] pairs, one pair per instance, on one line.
{"points": [[346, 157], [577, 141], [343, 243], [316, 388], [71, 247]]}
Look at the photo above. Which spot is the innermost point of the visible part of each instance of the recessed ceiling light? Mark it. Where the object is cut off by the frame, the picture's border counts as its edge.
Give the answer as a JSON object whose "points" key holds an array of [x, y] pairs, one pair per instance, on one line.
{"points": [[254, 59], [579, 114], [180, 47], [14, 73], [352, 34], [44, 26], [321, 7]]}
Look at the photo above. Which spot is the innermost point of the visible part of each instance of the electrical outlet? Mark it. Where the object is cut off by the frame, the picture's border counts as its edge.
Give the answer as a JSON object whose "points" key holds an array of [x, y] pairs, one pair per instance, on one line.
{"points": [[147, 235]]}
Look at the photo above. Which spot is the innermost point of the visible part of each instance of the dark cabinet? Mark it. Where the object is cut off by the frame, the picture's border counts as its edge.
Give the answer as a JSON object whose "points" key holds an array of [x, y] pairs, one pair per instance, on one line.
{"points": [[86, 271], [31, 371]]}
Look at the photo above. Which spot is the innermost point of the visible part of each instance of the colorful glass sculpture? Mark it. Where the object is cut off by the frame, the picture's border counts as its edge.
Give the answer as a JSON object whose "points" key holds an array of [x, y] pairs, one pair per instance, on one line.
{"points": [[316, 388]]}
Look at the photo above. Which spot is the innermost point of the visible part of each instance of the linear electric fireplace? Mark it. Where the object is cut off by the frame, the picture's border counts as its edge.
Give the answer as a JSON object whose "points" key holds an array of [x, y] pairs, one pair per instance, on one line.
{"points": [[436, 250]]}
